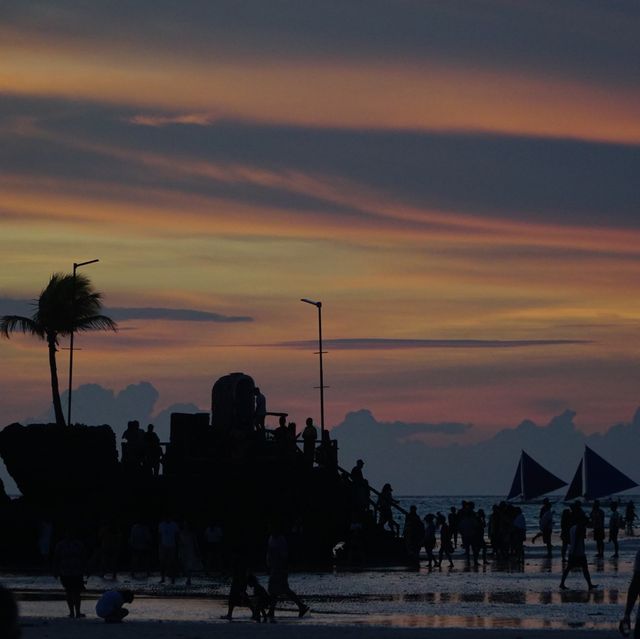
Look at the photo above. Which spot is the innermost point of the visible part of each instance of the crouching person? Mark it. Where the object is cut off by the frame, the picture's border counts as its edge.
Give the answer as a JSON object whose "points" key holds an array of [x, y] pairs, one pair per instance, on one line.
{"points": [[110, 606]]}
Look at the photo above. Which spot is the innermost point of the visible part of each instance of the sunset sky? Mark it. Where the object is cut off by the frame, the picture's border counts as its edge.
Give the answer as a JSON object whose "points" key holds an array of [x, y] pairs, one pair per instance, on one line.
{"points": [[457, 181]]}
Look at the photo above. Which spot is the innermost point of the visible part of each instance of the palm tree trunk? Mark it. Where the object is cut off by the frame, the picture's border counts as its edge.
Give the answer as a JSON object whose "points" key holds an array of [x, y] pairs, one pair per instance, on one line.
{"points": [[55, 390]]}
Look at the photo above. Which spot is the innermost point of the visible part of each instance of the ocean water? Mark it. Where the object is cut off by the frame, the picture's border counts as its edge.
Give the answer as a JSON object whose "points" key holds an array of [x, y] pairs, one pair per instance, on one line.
{"points": [[495, 595]]}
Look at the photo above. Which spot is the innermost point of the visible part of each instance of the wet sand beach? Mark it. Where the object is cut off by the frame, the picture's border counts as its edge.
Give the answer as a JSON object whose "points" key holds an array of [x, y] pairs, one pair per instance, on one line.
{"points": [[94, 629], [501, 600]]}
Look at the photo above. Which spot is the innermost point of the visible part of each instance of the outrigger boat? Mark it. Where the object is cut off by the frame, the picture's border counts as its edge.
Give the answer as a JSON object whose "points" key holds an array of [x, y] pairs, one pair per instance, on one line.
{"points": [[532, 480], [595, 478]]}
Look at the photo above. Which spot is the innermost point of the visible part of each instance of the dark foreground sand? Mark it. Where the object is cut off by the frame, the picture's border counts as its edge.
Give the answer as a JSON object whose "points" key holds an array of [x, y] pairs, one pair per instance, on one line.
{"points": [[37, 628]]}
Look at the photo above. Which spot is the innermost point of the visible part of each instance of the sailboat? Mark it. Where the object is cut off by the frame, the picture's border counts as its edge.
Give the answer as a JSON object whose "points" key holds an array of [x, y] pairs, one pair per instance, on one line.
{"points": [[595, 477], [532, 480]]}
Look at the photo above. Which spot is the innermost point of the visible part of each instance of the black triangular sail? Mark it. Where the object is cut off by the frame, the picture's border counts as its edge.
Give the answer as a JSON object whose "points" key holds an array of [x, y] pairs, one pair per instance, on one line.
{"points": [[533, 480], [516, 485], [537, 479], [575, 488], [601, 478]]}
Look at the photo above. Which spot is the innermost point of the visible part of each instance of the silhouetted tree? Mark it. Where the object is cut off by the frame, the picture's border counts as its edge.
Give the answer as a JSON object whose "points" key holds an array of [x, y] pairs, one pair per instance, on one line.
{"points": [[64, 306]]}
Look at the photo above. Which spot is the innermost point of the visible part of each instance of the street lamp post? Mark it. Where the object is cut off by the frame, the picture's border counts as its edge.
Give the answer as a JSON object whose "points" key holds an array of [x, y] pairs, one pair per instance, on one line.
{"points": [[318, 305], [76, 266]]}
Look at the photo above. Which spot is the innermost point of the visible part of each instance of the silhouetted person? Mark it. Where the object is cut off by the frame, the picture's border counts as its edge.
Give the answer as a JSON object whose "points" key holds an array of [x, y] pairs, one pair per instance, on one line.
{"points": [[152, 451], [309, 438], [238, 589], [429, 540], [281, 436], [545, 522], [519, 533], [615, 523], [360, 488], [632, 594], [356, 471], [597, 523], [168, 548], [133, 452], [453, 526], [277, 563], [466, 527], [384, 508], [413, 533], [479, 543], [9, 621], [577, 555], [260, 600], [566, 521], [446, 546], [261, 409], [110, 605], [69, 565], [630, 515]]}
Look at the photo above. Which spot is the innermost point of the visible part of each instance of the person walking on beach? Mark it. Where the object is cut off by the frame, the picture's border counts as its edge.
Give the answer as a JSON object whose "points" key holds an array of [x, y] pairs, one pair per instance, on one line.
{"points": [[632, 594], [260, 600], [277, 560], [69, 565], [453, 526], [577, 555], [566, 521], [239, 581], [545, 522], [615, 523], [597, 523]]}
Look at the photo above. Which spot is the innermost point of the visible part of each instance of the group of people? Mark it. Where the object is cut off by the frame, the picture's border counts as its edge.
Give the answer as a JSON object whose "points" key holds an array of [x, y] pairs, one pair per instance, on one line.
{"points": [[141, 450], [505, 531], [178, 550], [466, 525], [262, 602], [176, 546]]}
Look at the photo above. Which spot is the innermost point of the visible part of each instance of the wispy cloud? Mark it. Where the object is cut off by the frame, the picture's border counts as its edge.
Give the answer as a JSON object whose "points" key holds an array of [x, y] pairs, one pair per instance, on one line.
{"points": [[391, 344], [173, 314], [351, 176], [17, 306]]}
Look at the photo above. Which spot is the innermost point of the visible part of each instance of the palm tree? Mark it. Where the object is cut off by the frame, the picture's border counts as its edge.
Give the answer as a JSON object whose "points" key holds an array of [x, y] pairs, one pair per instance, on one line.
{"points": [[67, 304]]}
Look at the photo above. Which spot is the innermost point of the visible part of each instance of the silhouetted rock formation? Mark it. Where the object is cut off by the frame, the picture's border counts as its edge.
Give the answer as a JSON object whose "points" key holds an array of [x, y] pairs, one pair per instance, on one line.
{"points": [[50, 462]]}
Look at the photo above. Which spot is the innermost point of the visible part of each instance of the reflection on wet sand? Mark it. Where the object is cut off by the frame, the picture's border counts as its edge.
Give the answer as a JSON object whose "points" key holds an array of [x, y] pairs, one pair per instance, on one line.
{"points": [[517, 597], [468, 621]]}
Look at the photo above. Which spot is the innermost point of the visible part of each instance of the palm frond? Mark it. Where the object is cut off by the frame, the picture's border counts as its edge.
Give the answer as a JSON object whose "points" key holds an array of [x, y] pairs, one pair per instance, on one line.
{"points": [[12, 323], [95, 322]]}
